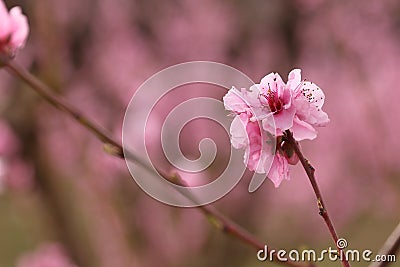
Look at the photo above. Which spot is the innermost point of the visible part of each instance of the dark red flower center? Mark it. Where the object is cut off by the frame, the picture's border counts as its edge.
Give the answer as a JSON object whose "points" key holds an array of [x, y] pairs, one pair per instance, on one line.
{"points": [[275, 104]]}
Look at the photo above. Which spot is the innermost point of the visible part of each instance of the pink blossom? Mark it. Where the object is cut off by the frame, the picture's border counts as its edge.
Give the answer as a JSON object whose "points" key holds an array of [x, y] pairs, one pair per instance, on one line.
{"points": [[247, 133], [295, 105], [269, 109], [14, 30], [308, 100]]}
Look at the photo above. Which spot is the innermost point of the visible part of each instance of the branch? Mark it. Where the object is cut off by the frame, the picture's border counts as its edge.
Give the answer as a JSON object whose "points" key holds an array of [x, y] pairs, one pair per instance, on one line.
{"points": [[114, 148], [390, 247], [320, 202], [225, 225], [58, 102]]}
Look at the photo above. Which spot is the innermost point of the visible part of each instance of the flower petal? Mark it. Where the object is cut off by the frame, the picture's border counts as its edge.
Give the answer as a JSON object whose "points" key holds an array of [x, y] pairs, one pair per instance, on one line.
{"points": [[5, 29], [294, 79], [234, 101], [284, 119], [287, 98], [279, 170], [313, 94], [239, 138], [310, 113], [273, 82], [318, 118], [303, 130], [20, 27]]}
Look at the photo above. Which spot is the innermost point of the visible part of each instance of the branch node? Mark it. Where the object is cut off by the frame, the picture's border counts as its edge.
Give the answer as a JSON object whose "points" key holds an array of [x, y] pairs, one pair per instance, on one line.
{"points": [[321, 207], [310, 166], [113, 150]]}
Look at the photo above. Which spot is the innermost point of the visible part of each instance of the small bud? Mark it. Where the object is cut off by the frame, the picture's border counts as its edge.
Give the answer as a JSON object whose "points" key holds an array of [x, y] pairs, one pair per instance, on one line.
{"points": [[14, 30], [289, 153]]}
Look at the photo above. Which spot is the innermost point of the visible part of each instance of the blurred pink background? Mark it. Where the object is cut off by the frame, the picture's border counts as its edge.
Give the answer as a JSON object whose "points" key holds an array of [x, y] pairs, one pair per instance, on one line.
{"points": [[64, 202]]}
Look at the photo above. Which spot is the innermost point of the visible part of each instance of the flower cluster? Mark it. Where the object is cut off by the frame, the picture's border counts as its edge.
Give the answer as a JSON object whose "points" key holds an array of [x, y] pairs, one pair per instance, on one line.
{"points": [[14, 30], [267, 110]]}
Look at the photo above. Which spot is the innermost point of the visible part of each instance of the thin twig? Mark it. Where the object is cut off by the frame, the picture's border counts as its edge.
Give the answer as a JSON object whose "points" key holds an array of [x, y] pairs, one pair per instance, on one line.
{"points": [[225, 225], [390, 248], [114, 148], [110, 145], [320, 201], [44, 91]]}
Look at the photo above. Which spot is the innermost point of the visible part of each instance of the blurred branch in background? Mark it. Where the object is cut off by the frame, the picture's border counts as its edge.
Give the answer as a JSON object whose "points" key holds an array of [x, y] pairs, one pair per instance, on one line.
{"points": [[389, 248]]}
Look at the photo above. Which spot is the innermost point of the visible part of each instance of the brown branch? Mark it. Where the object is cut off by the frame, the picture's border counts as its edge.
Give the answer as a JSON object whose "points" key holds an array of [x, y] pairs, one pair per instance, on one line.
{"points": [[111, 146], [310, 171], [44, 91], [390, 247], [225, 225], [114, 148]]}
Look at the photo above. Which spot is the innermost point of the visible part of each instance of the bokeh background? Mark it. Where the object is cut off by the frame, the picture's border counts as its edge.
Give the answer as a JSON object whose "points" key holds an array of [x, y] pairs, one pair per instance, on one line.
{"points": [[64, 202]]}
